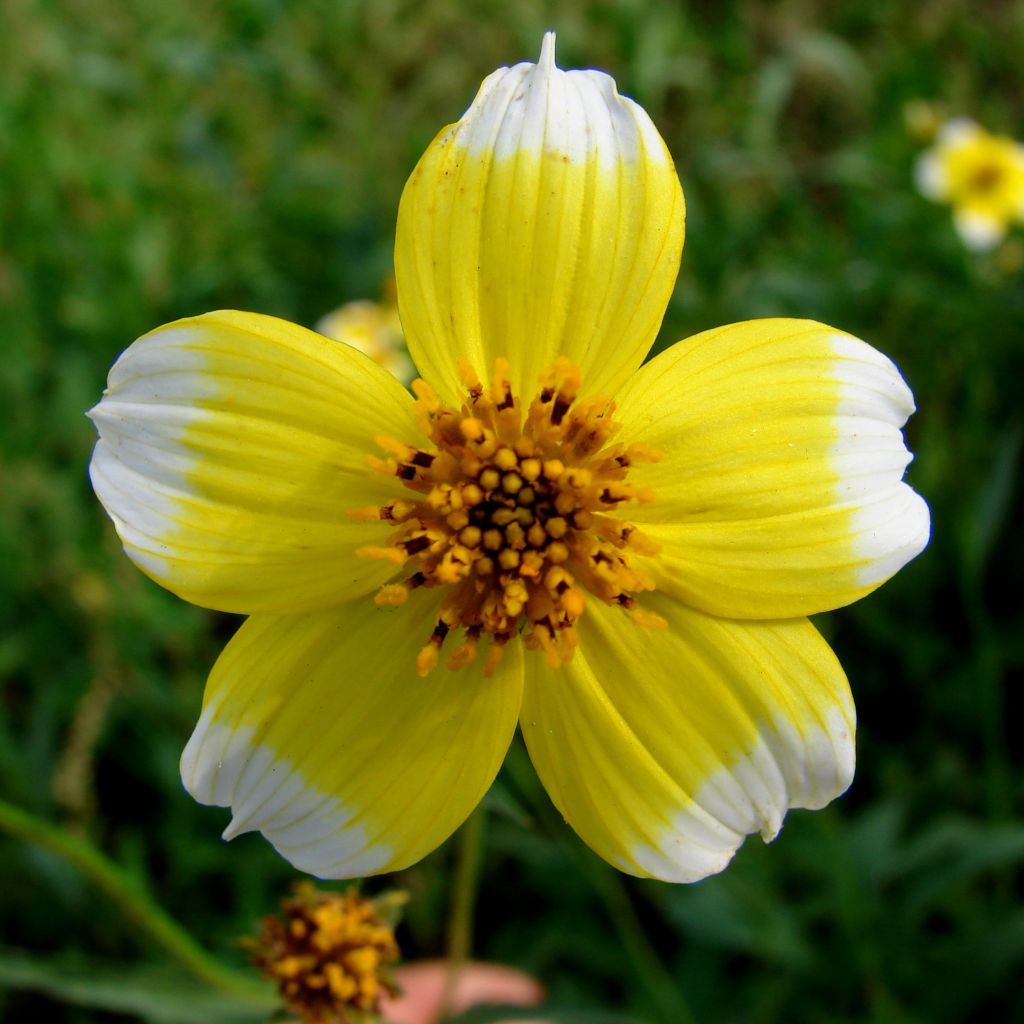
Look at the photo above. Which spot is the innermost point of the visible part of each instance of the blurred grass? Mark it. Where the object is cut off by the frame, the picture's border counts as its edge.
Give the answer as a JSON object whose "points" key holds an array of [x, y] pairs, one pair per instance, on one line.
{"points": [[161, 160]]}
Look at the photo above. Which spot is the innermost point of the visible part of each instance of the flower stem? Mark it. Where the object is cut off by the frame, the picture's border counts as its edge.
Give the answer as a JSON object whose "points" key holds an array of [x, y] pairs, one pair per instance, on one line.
{"points": [[652, 974], [125, 891], [465, 884]]}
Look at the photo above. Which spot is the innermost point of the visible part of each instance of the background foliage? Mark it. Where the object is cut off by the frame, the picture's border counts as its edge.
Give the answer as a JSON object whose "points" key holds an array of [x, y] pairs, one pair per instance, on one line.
{"points": [[160, 160]]}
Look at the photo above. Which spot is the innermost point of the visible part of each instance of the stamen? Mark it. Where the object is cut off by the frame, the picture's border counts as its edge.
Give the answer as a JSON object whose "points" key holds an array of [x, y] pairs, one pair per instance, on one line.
{"points": [[515, 514]]}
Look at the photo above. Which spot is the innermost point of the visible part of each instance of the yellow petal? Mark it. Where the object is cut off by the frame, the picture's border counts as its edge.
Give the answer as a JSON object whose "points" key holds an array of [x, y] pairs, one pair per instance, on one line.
{"points": [[664, 749], [231, 448], [548, 221], [317, 732], [780, 489]]}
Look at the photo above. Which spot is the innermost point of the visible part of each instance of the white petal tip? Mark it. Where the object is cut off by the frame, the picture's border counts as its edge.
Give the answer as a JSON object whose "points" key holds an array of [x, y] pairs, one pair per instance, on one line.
{"points": [[547, 52]]}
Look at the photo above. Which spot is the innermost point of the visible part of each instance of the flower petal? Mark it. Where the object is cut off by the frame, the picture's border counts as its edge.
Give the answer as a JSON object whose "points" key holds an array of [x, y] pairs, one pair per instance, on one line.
{"points": [[664, 749], [779, 491], [317, 732], [932, 176], [979, 228], [548, 221], [231, 448]]}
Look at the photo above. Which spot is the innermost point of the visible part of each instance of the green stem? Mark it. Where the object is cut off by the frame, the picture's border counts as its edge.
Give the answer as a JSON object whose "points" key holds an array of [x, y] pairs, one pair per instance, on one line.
{"points": [[465, 884], [652, 975], [650, 970], [124, 890]]}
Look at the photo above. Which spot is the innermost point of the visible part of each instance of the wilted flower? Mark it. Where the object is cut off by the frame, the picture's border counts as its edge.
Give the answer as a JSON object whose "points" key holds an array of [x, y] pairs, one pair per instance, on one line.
{"points": [[627, 577], [331, 954], [980, 175]]}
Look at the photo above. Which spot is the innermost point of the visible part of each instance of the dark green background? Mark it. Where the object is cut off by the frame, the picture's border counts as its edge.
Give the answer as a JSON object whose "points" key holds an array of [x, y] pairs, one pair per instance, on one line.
{"points": [[160, 160]]}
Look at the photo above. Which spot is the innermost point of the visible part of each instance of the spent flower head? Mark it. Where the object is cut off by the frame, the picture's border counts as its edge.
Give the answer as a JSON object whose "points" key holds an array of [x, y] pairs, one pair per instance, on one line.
{"points": [[331, 954], [980, 175], [619, 557]]}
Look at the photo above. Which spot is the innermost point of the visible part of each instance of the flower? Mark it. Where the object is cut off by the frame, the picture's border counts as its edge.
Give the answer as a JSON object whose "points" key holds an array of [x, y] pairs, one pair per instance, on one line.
{"points": [[980, 175], [375, 330], [627, 578], [332, 955]]}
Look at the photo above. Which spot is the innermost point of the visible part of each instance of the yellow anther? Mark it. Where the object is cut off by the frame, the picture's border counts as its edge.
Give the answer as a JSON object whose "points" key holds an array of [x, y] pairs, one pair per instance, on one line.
{"points": [[438, 498], [396, 555], [553, 468], [484, 566], [558, 552], [487, 446], [505, 459], [472, 495], [463, 655], [530, 469], [501, 390], [556, 527], [565, 503], [399, 448], [457, 520], [648, 619], [557, 579], [536, 535], [531, 564], [514, 535], [472, 429], [369, 513], [508, 558], [582, 520], [493, 539], [524, 516], [392, 595], [426, 395], [573, 601], [511, 483], [471, 536], [494, 655], [503, 516], [426, 660], [489, 479], [469, 377]]}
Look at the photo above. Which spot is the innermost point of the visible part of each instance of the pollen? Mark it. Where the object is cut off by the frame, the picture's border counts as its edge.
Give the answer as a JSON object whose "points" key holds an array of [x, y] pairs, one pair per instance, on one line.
{"points": [[516, 515]]}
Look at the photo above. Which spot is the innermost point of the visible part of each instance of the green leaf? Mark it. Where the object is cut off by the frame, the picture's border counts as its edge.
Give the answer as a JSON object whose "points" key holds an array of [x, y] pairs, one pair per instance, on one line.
{"points": [[150, 993]]}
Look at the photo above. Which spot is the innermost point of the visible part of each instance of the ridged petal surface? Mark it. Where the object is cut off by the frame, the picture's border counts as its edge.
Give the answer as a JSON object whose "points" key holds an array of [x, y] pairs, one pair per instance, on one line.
{"points": [[231, 448], [548, 221], [317, 732], [664, 748], [780, 490]]}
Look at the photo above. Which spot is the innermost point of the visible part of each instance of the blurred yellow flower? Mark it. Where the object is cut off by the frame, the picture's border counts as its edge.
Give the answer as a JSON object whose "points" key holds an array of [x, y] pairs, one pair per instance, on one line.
{"points": [[375, 330], [980, 175], [627, 578]]}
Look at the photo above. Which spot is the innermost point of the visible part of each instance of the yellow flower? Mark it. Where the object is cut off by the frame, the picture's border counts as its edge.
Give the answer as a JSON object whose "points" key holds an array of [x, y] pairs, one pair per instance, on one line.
{"points": [[331, 954], [375, 330], [628, 579], [980, 175]]}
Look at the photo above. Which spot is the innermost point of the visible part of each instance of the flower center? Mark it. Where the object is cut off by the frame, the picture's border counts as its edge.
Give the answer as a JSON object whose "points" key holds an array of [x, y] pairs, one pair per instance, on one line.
{"points": [[986, 178], [516, 515]]}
